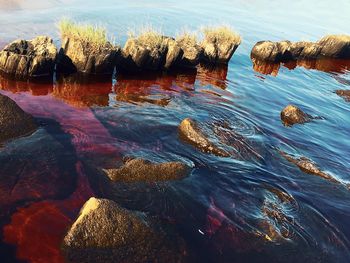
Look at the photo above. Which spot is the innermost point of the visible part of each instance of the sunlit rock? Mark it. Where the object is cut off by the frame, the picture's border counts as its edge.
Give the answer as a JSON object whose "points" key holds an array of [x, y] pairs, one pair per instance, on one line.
{"points": [[332, 46], [335, 46], [192, 52], [174, 53], [14, 122], [190, 131], [90, 58], [36, 168], [308, 166], [219, 44], [291, 115], [344, 93], [140, 170], [29, 59], [106, 232], [266, 50]]}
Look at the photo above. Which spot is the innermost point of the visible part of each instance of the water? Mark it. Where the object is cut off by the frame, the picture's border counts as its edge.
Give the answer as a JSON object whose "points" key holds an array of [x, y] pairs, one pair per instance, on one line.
{"points": [[253, 207]]}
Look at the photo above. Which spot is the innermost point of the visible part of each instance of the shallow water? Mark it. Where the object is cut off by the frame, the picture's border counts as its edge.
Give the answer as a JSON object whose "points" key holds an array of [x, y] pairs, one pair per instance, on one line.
{"points": [[253, 207]]}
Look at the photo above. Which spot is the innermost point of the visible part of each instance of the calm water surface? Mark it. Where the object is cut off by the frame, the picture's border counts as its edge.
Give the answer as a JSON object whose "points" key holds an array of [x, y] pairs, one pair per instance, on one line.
{"points": [[253, 207]]}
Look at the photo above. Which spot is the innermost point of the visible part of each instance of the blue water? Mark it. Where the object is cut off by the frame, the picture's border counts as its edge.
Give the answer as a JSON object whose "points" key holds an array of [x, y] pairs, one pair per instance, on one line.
{"points": [[229, 209]]}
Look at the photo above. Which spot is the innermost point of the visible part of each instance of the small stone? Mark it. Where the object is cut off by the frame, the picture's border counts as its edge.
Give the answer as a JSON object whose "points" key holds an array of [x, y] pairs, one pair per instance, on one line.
{"points": [[291, 115]]}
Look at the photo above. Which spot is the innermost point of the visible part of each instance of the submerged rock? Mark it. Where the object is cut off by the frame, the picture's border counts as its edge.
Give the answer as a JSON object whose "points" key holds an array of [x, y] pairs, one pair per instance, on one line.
{"points": [[291, 115], [343, 93], [190, 132], [14, 122], [140, 170], [37, 168], [29, 59], [89, 58], [308, 166], [106, 232], [332, 46]]}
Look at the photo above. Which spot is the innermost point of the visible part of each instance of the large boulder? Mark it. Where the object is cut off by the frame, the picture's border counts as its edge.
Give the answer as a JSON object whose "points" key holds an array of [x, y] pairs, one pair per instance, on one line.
{"points": [[90, 58], [38, 168], [140, 170], [190, 131], [291, 115], [29, 59], [106, 232], [14, 122]]}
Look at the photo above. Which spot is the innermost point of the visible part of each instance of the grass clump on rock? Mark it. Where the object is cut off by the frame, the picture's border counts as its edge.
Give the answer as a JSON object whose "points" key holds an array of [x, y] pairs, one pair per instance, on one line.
{"points": [[222, 34], [148, 37], [87, 48], [219, 44], [92, 34]]}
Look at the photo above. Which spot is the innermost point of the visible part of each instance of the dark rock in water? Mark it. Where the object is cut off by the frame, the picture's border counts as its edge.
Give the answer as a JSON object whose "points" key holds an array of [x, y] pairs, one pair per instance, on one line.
{"points": [[344, 93], [291, 115], [140, 170], [106, 232], [14, 122], [89, 58], [308, 166], [219, 50], [29, 59], [36, 169], [190, 132], [333, 46]]}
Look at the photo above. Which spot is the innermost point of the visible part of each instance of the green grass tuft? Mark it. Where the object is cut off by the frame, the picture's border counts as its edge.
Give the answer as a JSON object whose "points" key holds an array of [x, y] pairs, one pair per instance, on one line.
{"points": [[95, 35]]}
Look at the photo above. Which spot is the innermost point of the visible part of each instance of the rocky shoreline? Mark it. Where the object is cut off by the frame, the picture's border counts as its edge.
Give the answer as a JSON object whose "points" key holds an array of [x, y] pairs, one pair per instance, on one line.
{"points": [[104, 230]]}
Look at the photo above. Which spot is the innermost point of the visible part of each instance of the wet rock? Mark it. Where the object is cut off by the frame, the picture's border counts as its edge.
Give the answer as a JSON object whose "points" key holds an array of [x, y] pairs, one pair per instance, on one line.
{"points": [[138, 56], [140, 170], [218, 50], [106, 232], [310, 51], [190, 132], [174, 54], [291, 115], [335, 46], [14, 122], [267, 51], [37, 168], [89, 58], [192, 53], [344, 93], [308, 166], [29, 59]]}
